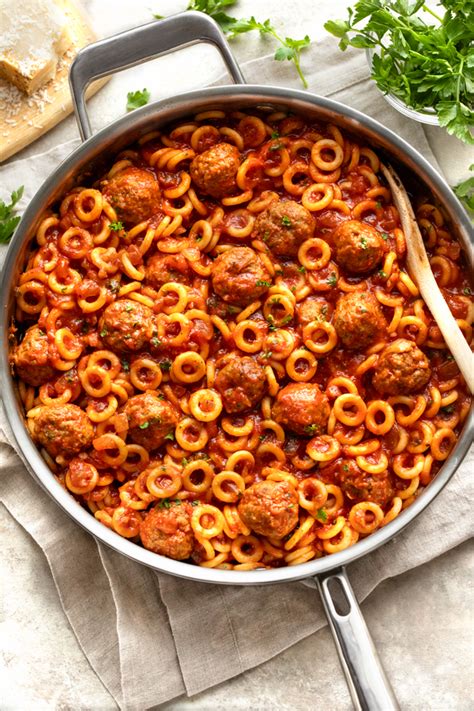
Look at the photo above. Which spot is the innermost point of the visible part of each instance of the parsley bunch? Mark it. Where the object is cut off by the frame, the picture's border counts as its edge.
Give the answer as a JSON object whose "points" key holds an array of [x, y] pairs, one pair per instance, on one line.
{"points": [[465, 192], [290, 49], [8, 221], [425, 64]]}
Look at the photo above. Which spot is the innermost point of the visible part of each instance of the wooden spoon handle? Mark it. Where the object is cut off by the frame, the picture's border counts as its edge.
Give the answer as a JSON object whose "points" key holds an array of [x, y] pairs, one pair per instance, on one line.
{"points": [[422, 275]]}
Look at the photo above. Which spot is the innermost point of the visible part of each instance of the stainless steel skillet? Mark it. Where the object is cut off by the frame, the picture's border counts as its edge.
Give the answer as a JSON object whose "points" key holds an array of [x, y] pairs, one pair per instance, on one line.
{"points": [[366, 679]]}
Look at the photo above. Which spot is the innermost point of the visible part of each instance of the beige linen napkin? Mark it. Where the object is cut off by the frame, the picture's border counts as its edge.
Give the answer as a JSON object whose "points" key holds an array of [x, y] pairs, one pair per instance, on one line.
{"points": [[151, 637]]}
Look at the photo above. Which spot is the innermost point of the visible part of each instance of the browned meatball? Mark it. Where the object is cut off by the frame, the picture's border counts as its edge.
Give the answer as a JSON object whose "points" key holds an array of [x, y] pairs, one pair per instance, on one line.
{"points": [[402, 368], [241, 383], [214, 170], [313, 308], [270, 508], [134, 194], [358, 319], [150, 419], [31, 358], [163, 268], [126, 325], [362, 486], [168, 531], [358, 246], [239, 276], [302, 408], [63, 429], [283, 227]]}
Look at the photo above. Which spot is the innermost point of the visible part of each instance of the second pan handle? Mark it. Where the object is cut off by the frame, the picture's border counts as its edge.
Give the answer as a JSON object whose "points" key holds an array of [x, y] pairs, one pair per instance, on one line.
{"points": [[138, 45], [368, 685]]}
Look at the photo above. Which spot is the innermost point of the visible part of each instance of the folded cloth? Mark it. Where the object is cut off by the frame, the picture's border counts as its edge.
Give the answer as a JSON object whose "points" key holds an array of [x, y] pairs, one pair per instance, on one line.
{"points": [[151, 637]]}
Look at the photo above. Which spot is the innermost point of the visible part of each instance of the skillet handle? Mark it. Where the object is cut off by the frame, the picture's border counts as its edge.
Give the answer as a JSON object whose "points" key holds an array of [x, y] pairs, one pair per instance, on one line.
{"points": [[368, 685], [139, 44]]}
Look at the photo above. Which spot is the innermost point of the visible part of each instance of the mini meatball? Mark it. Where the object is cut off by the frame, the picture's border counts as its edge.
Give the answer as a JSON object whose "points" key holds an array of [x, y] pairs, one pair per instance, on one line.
{"points": [[168, 531], [283, 227], [134, 194], [63, 429], [270, 508], [402, 368], [126, 325], [362, 486], [214, 170], [239, 276], [302, 408], [359, 248], [150, 419], [163, 268], [313, 308], [358, 319], [241, 383], [31, 358]]}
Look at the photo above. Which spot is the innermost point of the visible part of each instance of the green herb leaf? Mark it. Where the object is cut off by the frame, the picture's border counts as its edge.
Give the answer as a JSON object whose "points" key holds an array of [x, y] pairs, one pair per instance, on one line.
{"points": [[116, 226], [285, 221], [144, 425], [170, 436], [9, 222], [262, 282], [165, 365], [465, 192], [332, 280], [135, 99], [321, 515]]}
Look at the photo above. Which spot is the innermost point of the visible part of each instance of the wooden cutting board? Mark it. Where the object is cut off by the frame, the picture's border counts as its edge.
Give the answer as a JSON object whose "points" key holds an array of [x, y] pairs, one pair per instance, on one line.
{"points": [[24, 118]]}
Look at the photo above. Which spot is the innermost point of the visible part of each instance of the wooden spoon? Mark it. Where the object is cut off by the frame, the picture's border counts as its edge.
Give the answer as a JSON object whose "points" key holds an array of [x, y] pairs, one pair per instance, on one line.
{"points": [[420, 272]]}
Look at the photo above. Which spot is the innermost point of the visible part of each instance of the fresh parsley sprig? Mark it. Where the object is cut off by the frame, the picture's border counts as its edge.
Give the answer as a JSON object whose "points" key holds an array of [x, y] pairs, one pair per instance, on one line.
{"points": [[290, 48], [9, 221], [465, 192], [425, 65], [135, 99]]}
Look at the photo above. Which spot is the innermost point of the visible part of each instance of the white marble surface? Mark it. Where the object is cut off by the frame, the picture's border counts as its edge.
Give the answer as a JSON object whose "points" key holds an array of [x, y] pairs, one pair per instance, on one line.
{"points": [[421, 623]]}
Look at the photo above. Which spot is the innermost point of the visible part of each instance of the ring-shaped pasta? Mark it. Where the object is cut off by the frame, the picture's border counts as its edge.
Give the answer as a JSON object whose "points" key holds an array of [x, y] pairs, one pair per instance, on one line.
{"points": [[323, 250], [333, 504], [350, 409], [81, 477], [408, 471], [346, 539], [180, 297], [145, 374], [301, 365], [304, 527], [204, 514], [373, 463], [380, 417], [442, 443], [88, 204], [205, 405], [323, 448], [188, 367], [197, 476], [166, 326], [107, 443], [191, 435], [230, 426], [393, 511], [274, 474], [76, 243], [126, 522], [99, 411], [162, 481], [324, 146], [312, 494], [317, 197], [301, 170], [247, 549], [312, 337], [96, 381], [248, 336], [228, 486], [31, 297], [331, 530], [69, 346]]}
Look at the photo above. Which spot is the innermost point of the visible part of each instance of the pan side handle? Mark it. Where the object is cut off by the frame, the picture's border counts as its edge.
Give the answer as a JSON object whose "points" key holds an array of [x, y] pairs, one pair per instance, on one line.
{"points": [[138, 45], [368, 685]]}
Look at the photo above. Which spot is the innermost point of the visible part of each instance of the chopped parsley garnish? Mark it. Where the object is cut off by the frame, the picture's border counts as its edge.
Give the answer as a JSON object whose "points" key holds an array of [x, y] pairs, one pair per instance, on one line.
{"points": [[275, 134], [345, 468], [144, 425], [467, 291], [267, 354], [155, 342], [125, 365], [164, 504], [103, 333], [113, 285], [271, 323], [378, 204], [262, 282], [285, 221], [363, 242], [135, 99], [128, 308], [332, 280], [184, 461], [385, 236], [286, 320], [170, 436], [194, 503], [448, 409], [321, 515], [116, 226], [198, 238], [302, 269], [311, 429], [165, 365], [382, 274], [276, 147]]}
